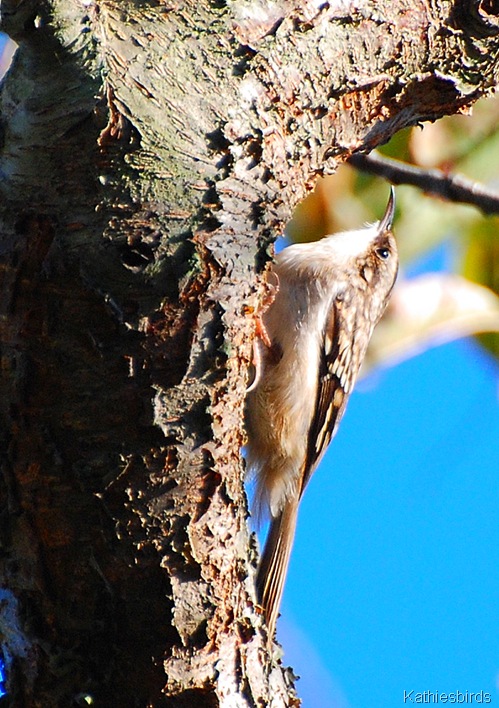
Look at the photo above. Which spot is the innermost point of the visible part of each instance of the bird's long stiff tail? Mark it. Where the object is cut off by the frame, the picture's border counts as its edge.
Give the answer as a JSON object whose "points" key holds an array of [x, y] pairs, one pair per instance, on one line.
{"points": [[274, 563]]}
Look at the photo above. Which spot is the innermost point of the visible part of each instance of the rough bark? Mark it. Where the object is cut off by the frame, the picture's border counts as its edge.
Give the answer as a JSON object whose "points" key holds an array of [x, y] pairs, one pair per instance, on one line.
{"points": [[151, 152]]}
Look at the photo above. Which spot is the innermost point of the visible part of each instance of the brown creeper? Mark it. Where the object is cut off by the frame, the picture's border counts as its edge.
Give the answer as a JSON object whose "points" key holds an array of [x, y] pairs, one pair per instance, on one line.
{"points": [[330, 296]]}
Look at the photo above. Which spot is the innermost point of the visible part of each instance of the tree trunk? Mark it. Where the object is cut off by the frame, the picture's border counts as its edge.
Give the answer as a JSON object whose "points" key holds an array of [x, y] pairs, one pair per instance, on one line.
{"points": [[151, 152]]}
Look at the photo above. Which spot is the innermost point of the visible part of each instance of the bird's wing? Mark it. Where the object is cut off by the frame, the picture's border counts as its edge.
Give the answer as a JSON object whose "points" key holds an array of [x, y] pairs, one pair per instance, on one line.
{"points": [[342, 350]]}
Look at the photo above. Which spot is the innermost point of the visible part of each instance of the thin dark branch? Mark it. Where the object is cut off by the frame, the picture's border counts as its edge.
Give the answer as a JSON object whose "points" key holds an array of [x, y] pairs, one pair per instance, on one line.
{"points": [[454, 188]]}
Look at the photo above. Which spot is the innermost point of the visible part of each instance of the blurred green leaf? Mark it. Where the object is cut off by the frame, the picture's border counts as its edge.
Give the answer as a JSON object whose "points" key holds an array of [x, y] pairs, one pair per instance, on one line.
{"points": [[481, 264]]}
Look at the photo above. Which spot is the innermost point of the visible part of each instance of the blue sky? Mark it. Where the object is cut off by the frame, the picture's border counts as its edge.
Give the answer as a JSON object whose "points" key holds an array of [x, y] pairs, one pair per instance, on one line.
{"points": [[394, 577]]}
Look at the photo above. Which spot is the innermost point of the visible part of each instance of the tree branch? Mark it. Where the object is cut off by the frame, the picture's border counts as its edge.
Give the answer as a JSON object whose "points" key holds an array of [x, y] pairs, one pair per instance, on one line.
{"points": [[452, 187]]}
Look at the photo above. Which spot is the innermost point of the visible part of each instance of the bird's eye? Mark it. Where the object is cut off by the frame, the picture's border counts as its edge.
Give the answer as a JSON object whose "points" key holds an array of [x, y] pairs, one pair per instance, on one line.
{"points": [[383, 253]]}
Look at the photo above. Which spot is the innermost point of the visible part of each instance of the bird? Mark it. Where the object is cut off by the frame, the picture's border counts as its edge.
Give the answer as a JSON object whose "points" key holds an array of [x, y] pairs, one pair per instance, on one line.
{"points": [[326, 298]]}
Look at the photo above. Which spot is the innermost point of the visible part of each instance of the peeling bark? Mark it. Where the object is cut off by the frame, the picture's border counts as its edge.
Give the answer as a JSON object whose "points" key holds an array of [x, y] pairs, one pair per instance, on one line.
{"points": [[151, 153]]}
